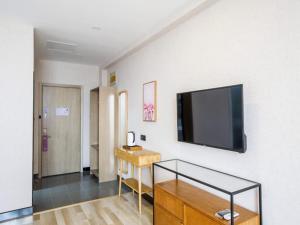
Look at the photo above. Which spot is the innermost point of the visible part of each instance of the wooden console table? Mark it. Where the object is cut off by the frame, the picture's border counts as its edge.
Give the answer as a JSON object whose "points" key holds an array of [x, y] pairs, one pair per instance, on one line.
{"points": [[183, 197], [177, 202], [139, 159]]}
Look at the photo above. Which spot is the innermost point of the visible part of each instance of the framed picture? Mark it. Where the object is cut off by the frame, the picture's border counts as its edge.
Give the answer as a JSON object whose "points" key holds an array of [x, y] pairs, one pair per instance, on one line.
{"points": [[149, 101], [112, 79]]}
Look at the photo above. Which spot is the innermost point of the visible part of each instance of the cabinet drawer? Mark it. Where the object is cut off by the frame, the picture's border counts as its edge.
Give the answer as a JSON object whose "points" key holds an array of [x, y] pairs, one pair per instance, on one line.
{"points": [[193, 217], [163, 217], [169, 203]]}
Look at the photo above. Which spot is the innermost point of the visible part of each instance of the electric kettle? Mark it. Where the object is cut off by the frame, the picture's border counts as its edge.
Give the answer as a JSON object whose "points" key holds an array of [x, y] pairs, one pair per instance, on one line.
{"points": [[131, 138]]}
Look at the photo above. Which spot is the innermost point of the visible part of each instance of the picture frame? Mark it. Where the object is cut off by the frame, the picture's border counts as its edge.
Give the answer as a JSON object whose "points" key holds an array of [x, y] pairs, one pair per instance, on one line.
{"points": [[150, 101], [112, 79]]}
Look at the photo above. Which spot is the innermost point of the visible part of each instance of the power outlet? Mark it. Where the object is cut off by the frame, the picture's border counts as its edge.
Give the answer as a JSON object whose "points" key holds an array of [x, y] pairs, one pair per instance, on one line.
{"points": [[143, 137]]}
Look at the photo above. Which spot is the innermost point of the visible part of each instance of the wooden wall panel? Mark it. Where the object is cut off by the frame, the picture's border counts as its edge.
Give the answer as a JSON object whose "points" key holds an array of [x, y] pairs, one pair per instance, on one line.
{"points": [[107, 132]]}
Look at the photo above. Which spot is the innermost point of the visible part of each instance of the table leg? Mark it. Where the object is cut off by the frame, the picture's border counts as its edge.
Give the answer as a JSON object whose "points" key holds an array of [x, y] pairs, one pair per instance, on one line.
{"points": [[132, 170], [150, 168], [120, 177], [140, 189], [151, 172], [132, 175]]}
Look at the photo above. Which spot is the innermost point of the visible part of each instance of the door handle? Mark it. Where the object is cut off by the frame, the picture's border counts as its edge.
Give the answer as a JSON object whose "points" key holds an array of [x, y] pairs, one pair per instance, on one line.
{"points": [[45, 133]]}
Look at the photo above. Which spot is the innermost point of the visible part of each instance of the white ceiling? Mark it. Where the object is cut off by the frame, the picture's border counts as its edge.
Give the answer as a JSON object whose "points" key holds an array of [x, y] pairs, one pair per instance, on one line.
{"points": [[98, 30]]}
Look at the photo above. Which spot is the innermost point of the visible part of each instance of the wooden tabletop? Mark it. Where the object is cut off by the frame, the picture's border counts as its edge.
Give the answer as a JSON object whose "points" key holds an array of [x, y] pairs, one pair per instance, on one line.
{"points": [[138, 158], [205, 202]]}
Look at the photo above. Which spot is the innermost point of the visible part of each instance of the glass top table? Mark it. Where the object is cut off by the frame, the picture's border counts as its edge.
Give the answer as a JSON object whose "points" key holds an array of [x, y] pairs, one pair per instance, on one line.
{"points": [[211, 178], [215, 179]]}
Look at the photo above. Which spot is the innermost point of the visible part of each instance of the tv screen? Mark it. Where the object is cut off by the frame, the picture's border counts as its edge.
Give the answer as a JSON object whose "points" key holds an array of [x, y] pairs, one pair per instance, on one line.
{"points": [[212, 117]]}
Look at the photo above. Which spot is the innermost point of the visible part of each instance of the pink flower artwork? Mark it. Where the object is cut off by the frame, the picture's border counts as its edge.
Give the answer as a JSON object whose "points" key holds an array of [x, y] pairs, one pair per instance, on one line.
{"points": [[149, 112], [149, 107]]}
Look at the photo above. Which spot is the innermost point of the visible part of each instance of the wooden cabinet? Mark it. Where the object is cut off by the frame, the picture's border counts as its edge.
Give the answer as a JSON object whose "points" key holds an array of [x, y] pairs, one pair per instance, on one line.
{"points": [[94, 131], [163, 217], [177, 202], [103, 108], [194, 217], [168, 202]]}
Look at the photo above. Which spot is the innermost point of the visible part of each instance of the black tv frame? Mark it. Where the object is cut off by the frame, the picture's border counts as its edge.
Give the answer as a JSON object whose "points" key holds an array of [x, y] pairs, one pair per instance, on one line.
{"points": [[242, 150]]}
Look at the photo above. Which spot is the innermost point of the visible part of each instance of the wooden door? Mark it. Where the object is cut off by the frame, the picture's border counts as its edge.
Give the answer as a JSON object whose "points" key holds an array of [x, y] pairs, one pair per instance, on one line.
{"points": [[61, 125]]}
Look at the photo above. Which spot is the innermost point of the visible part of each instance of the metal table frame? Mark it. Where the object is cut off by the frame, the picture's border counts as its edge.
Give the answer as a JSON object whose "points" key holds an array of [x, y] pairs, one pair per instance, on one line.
{"points": [[255, 185]]}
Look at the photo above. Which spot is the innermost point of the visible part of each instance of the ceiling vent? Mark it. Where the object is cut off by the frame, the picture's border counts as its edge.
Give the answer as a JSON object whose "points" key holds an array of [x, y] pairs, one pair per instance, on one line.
{"points": [[61, 46]]}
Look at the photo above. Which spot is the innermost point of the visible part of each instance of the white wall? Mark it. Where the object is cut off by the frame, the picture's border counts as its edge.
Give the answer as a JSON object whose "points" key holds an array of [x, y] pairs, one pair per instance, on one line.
{"points": [[87, 76], [253, 42], [16, 112]]}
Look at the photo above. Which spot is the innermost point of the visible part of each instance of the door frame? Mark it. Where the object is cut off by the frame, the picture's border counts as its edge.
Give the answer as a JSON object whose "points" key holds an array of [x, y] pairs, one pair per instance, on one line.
{"points": [[40, 126]]}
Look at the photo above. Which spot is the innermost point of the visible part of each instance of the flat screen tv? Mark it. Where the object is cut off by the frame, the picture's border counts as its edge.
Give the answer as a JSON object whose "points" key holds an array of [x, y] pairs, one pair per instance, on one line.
{"points": [[212, 117]]}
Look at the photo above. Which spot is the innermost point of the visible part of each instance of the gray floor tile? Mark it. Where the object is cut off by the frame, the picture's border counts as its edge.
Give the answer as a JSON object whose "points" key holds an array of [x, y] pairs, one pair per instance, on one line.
{"points": [[57, 191]]}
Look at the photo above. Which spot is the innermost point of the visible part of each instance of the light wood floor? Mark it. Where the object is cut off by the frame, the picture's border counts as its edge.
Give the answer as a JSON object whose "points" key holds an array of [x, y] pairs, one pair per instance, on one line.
{"points": [[105, 211]]}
